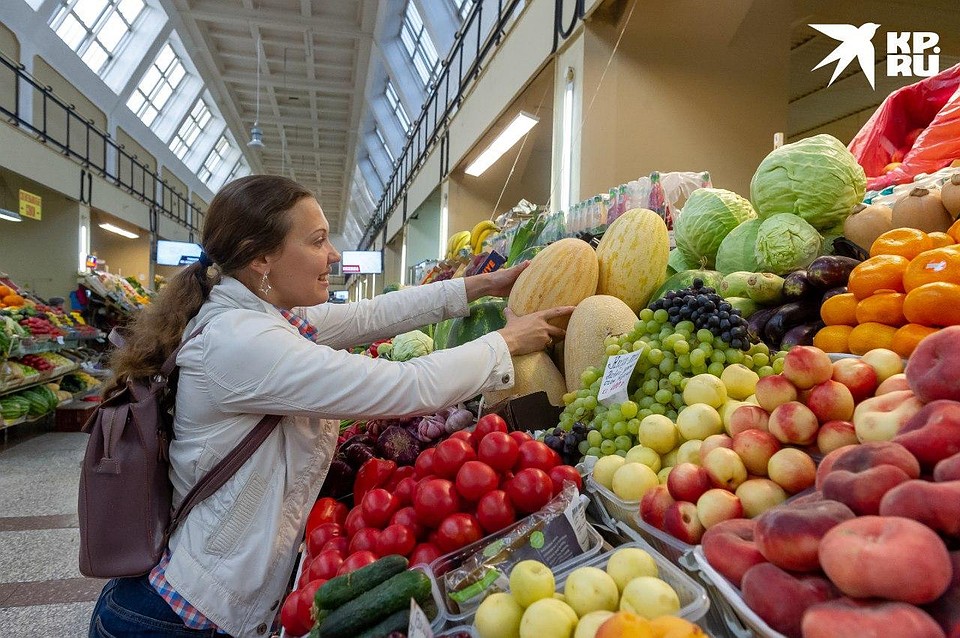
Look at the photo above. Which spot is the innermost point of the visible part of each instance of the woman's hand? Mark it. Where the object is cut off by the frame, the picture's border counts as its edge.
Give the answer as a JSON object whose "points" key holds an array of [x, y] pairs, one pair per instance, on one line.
{"points": [[498, 283], [531, 333]]}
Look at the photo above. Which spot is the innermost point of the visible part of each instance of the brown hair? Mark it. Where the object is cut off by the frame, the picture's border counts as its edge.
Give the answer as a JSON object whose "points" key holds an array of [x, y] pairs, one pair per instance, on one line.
{"points": [[248, 218]]}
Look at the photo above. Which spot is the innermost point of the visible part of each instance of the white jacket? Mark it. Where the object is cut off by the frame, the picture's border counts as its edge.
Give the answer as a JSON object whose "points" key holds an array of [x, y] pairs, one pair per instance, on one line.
{"points": [[234, 554]]}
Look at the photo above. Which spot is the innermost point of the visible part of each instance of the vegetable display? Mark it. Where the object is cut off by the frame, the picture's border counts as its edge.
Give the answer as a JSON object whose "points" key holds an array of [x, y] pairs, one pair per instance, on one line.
{"points": [[708, 216]]}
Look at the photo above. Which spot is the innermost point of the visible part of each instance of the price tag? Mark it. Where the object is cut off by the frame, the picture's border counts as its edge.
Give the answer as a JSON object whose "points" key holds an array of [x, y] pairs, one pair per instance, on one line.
{"points": [[616, 376], [419, 626], [492, 262], [60, 339]]}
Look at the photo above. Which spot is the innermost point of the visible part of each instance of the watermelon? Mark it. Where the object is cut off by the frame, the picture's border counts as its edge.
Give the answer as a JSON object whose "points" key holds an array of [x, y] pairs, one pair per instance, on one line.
{"points": [[486, 315], [711, 279], [440, 332]]}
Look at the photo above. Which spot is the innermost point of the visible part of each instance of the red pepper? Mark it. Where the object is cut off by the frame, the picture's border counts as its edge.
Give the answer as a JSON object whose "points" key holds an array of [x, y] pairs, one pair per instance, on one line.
{"points": [[371, 475], [374, 347], [398, 475]]}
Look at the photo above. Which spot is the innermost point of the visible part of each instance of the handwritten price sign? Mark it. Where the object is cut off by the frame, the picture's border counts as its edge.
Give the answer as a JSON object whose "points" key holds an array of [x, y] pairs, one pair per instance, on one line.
{"points": [[616, 376]]}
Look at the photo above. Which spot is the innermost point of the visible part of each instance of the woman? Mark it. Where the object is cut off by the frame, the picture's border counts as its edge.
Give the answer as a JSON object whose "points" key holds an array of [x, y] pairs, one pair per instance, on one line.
{"points": [[258, 291]]}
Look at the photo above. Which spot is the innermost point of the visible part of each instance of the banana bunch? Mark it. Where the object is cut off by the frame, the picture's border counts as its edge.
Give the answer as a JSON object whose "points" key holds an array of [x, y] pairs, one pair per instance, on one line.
{"points": [[456, 242], [479, 233]]}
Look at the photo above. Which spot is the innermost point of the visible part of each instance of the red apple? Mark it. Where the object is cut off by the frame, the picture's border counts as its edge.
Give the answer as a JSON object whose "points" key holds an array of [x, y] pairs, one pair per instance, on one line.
{"points": [[682, 522], [687, 482]]}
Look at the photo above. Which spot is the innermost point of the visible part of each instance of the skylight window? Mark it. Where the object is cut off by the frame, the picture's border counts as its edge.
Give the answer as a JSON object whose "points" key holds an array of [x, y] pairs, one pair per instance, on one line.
{"points": [[383, 143], [158, 84], [95, 29], [240, 169], [396, 106], [191, 128], [418, 44], [215, 159], [463, 7]]}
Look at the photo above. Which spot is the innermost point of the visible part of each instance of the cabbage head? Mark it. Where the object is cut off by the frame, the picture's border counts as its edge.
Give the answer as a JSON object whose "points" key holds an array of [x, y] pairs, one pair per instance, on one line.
{"points": [[706, 218], [786, 242], [816, 178], [737, 251], [410, 345]]}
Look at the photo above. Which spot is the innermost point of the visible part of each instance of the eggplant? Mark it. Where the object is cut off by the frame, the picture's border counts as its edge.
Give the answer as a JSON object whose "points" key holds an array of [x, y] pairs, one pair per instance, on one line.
{"points": [[796, 285], [801, 335], [357, 450], [339, 481], [757, 321], [830, 271], [787, 316], [839, 290], [399, 445]]}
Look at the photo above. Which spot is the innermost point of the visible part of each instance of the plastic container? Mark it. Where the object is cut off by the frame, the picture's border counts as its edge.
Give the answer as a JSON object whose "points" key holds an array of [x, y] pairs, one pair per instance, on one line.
{"points": [[470, 630], [672, 548], [617, 509]]}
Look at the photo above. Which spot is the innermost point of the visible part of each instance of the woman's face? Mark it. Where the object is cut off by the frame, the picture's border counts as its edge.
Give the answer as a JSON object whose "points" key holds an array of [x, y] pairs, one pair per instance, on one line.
{"points": [[299, 270]]}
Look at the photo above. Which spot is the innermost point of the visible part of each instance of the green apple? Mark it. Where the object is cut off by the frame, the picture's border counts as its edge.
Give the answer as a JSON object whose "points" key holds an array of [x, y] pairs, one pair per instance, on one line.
{"points": [[726, 411], [689, 452], [548, 617], [604, 469], [498, 616], [530, 581], [704, 388], [632, 481], [630, 562], [647, 456], [589, 624], [659, 433], [663, 474], [698, 421], [739, 380], [649, 597], [591, 589]]}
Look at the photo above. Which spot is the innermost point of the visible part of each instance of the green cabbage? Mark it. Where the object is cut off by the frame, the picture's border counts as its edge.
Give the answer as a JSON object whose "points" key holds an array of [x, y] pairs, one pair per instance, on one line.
{"points": [[816, 178], [785, 242], [411, 344], [706, 218], [737, 251]]}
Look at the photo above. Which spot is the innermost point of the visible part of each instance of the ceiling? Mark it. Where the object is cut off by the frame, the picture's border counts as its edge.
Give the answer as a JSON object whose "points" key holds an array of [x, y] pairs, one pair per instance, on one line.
{"points": [[314, 62]]}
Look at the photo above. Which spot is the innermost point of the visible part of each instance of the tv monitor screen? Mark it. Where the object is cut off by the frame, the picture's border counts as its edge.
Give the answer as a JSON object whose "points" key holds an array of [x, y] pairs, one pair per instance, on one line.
{"points": [[362, 262], [177, 253], [341, 295]]}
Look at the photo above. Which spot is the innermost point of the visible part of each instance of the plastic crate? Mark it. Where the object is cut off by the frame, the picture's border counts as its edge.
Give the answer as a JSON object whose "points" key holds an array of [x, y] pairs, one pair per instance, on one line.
{"points": [[671, 547], [615, 508], [470, 630]]}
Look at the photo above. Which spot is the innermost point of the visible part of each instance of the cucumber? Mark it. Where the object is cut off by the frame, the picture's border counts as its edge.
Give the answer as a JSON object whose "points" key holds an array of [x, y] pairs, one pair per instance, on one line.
{"points": [[369, 608], [342, 589], [397, 621]]}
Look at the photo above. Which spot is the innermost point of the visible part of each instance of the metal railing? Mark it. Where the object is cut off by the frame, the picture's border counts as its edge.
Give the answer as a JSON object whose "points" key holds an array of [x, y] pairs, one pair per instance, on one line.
{"points": [[59, 125]]}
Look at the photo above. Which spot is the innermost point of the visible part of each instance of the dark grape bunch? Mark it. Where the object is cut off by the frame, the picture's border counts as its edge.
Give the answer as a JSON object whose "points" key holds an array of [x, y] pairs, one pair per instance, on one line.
{"points": [[567, 444], [706, 309]]}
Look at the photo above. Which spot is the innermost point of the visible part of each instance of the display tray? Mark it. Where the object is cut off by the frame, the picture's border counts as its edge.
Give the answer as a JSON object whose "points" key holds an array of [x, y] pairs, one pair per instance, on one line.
{"points": [[613, 508], [469, 630]]}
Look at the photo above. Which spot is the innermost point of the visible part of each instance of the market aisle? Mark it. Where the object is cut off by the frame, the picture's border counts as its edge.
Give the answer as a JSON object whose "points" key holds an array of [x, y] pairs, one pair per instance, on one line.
{"points": [[42, 592]]}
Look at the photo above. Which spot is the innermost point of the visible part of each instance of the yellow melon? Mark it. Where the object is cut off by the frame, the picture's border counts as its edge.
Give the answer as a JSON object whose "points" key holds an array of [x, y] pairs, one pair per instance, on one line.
{"points": [[562, 274], [633, 257], [595, 319], [532, 372]]}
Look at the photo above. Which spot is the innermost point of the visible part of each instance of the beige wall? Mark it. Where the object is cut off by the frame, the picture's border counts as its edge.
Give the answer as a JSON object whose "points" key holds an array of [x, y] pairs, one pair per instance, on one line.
{"points": [[423, 233], [124, 256], [10, 47], [131, 147], [9, 44], [391, 261], [57, 117]]}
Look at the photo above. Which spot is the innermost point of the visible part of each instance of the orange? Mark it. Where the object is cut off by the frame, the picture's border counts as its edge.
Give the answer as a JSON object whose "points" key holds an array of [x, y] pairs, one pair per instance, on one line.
{"points": [[941, 239], [868, 336], [933, 304], [906, 242], [883, 272], [939, 264], [954, 231], [833, 338], [905, 339], [839, 310], [882, 307]]}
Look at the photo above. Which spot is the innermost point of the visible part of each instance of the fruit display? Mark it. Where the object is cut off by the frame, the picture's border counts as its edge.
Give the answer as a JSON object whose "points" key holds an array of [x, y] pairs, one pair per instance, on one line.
{"points": [[122, 293]]}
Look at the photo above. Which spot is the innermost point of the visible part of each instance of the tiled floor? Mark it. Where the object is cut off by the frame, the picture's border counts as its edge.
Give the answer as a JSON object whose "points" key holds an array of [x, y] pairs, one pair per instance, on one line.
{"points": [[42, 592]]}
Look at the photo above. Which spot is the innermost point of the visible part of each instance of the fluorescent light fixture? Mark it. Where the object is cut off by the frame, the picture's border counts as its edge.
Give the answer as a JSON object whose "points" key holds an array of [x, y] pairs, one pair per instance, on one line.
{"points": [[403, 257], [444, 228], [119, 231], [566, 143], [10, 216], [519, 127]]}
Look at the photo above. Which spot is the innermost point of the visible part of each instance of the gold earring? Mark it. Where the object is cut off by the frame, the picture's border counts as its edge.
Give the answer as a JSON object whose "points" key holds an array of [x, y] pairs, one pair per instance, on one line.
{"points": [[265, 286]]}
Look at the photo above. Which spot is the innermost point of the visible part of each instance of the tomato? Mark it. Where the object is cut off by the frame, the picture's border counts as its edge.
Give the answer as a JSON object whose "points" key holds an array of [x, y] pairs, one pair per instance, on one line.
{"points": [[403, 493], [339, 544], [325, 565], [561, 473], [289, 618], [378, 506], [456, 531], [435, 500], [530, 489], [355, 521], [451, 454], [326, 510], [498, 450], [495, 511], [424, 554], [520, 437], [365, 539], [536, 454], [355, 561], [476, 479], [465, 436], [402, 472], [321, 534], [305, 601], [407, 517], [424, 464], [396, 539], [489, 423], [505, 478]]}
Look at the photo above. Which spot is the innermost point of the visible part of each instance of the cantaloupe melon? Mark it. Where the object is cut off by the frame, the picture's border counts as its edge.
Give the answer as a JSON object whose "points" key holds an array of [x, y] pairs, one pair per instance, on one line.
{"points": [[562, 274], [633, 257], [532, 372], [595, 319]]}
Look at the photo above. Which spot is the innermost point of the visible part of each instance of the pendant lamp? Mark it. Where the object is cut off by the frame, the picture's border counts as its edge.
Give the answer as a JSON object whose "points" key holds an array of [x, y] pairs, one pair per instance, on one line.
{"points": [[256, 133]]}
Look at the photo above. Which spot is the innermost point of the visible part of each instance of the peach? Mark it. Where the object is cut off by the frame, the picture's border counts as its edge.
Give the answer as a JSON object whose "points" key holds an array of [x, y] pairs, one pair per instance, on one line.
{"points": [[835, 434], [886, 557], [936, 505], [806, 366], [896, 383], [682, 522], [831, 401], [859, 377], [730, 548], [792, 469], [725, 468], [718, 505], [687, 482], [933, 433], [886, 362], [934, 367], [863, 491], [948, 469], [624, 624], [748, 417], [813, 496], [826, 463], [880, 418], [714, 441], [758, 495], [789, 536], [781, 598], [795, 423], [857, 458], [848, 618], [755, 447], [946, 609], [654, 505], [773, 391]]}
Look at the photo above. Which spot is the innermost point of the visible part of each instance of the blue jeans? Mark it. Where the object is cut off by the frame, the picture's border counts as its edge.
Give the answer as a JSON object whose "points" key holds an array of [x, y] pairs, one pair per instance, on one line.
{"points": [[131, 608]]}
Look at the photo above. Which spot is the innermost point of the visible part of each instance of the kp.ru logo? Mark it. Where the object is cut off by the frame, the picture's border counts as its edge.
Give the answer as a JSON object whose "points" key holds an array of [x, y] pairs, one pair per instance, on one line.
{"points": [[909, 53]]}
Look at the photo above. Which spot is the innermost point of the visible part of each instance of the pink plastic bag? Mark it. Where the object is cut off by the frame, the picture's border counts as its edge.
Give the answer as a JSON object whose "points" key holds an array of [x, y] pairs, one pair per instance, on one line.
{"points": [[917, 125]]}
